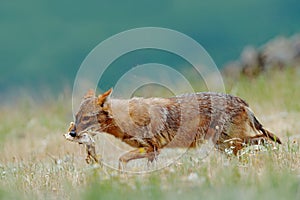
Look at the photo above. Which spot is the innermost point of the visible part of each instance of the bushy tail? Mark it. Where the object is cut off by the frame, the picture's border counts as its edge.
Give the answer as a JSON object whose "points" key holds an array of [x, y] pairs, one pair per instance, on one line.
{"points": [[267, 133], [258, 126]]}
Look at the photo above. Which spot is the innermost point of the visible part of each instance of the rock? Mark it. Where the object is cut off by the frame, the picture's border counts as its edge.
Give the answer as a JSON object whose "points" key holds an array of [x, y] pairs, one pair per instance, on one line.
{"points": [[278, 53], [232, 69], [251, 61]]}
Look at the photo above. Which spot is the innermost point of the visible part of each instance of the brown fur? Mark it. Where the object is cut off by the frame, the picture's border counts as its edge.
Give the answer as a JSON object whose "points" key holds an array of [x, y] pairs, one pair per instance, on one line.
{"points": [[152, 124]]}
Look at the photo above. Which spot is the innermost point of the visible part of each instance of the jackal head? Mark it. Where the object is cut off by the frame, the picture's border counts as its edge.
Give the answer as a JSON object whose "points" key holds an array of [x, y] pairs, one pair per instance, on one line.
{"points": [[88, 118]]}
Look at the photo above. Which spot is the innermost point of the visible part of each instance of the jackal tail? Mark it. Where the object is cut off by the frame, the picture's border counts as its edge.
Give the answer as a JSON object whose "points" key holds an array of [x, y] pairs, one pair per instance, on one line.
{"points": [[259, 127]]}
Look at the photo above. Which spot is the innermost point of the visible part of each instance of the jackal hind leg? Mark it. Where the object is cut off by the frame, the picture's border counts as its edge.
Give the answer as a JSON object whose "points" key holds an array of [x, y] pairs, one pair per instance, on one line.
{"points": [[142, 152], [233, 145], [256, 140], [260, 142], [238, 144]]}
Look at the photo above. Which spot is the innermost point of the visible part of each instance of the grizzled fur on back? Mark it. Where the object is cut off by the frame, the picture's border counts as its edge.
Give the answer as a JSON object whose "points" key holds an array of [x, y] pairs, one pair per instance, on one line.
{"points": [[181, 121]]}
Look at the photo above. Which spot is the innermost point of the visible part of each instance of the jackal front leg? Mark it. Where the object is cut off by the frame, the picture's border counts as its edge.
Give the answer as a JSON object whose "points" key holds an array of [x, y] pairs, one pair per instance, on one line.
{"points": [[143, 152]]}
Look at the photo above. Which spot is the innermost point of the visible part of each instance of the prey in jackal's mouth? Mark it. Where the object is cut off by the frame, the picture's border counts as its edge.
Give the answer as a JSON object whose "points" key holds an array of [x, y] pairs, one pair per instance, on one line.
{"points": [[84, 138], [151, 124]]}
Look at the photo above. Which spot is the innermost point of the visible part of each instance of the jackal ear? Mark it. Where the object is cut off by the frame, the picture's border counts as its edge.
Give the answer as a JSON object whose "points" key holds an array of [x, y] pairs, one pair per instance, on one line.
{"points": [[103, 97], [90, 93]]}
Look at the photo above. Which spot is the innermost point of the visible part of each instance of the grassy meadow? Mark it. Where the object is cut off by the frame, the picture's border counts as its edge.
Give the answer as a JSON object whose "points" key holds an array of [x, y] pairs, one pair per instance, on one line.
{"points": [[37, 163]]}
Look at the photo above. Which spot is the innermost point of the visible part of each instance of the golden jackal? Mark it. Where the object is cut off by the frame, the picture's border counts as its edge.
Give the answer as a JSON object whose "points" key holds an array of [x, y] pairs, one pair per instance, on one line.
{"points": [[150, 124]]}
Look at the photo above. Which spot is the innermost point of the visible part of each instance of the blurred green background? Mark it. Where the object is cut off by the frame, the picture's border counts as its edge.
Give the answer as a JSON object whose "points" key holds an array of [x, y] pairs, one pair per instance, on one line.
{"points": [[43, 42]]}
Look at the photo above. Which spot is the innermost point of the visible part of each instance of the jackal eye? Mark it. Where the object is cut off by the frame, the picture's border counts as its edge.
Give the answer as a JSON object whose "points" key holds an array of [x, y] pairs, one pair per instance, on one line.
{"points": [[85, 118]]}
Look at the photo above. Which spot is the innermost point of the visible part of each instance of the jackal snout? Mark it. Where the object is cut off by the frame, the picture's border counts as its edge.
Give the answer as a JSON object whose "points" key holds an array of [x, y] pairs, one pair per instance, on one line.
{"points": [[81, 138], [72, 135]]}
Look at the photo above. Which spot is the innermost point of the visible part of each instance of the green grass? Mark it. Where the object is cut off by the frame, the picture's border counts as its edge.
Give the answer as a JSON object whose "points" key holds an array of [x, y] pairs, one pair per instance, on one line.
{"points": [[226, 182], [37, 163], [274, 89]]}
